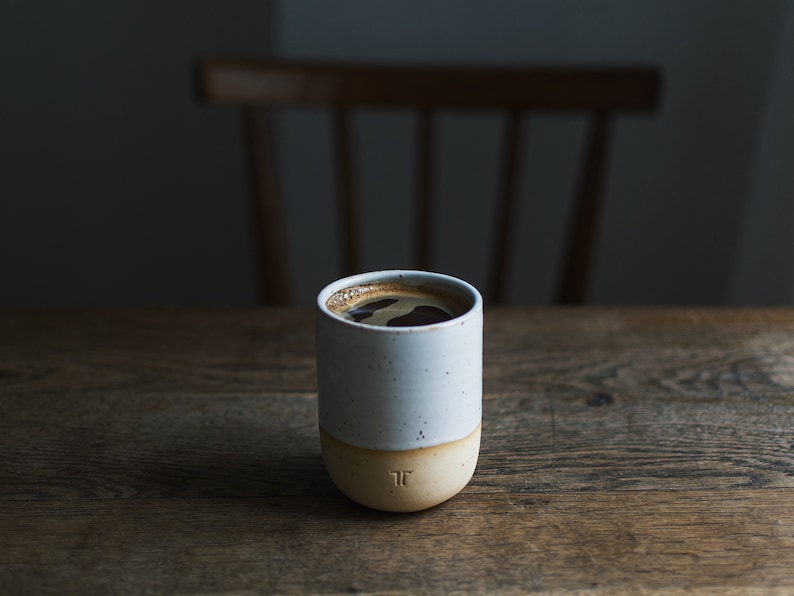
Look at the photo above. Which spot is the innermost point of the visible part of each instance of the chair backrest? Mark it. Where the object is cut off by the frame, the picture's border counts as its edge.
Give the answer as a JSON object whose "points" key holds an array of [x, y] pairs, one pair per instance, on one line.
{"points": [[255, 86]]}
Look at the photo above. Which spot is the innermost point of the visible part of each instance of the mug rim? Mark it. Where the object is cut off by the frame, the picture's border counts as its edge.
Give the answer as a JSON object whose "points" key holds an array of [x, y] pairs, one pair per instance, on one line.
{"points": [[430, 278]]}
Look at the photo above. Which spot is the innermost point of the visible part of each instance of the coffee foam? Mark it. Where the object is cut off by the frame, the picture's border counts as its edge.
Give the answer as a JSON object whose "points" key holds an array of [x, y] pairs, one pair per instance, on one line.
{"points": [[348, 298]]}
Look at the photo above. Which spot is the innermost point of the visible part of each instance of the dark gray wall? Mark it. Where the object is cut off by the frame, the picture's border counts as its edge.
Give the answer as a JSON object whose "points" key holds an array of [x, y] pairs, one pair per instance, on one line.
{"points": [[764, 265], [678, 184], [116, 187]]}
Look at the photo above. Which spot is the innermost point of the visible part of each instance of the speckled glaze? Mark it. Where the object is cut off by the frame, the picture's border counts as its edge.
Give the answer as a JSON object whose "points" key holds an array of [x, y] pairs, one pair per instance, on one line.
{"points": [[391, 397]]}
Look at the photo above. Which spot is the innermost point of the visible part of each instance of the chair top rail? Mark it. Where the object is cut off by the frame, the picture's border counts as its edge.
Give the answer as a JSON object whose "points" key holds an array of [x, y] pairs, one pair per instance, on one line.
{"points": [[563, 88]]}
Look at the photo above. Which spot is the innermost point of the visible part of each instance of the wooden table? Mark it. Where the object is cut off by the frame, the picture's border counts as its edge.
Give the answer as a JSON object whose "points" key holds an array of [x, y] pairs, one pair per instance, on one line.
{"points": [[176, 451]]}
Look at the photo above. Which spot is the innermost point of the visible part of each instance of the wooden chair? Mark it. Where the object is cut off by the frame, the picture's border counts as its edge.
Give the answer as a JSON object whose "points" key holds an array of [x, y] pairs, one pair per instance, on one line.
{"points": [[255, 86]]}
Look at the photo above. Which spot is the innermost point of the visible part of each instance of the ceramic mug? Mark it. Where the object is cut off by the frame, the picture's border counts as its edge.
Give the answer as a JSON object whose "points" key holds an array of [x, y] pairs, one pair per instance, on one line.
{"points": [[399, 407]]}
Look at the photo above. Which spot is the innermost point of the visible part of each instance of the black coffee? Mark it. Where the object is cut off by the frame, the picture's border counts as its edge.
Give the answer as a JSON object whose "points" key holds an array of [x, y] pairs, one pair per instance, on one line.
{"points": [[393, 304]]}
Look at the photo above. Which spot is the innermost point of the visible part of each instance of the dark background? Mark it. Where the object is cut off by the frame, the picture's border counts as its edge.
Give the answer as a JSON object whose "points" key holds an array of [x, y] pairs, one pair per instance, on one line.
{"points": [[117, 187]]}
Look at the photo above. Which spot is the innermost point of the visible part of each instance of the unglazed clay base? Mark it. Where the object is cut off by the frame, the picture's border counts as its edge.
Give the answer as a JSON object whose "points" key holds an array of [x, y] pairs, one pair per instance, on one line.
{"points": [[409, 480]]}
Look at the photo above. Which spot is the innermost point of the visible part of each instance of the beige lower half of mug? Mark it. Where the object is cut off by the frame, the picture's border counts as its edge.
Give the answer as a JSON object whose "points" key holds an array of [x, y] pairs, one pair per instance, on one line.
{"points": [[409, 480]]}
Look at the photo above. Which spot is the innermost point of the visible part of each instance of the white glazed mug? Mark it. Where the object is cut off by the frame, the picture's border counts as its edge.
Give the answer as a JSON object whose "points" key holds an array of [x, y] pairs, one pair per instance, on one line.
{"points": [[400, 408]]}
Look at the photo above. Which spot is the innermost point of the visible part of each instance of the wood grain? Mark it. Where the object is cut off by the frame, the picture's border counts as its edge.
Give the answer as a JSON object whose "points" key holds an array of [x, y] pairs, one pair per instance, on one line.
{"points": [[170, 446], [176, 451], [159, 350], [605, 542], [717, 352]]}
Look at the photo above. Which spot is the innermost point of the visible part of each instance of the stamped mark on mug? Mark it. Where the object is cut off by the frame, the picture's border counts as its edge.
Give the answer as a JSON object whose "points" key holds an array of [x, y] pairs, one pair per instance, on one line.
{"points": [[400, 476]]}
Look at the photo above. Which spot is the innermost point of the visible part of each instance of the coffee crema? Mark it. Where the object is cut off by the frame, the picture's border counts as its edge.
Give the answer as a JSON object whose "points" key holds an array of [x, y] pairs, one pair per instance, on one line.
{"points": [[395, 304]]}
